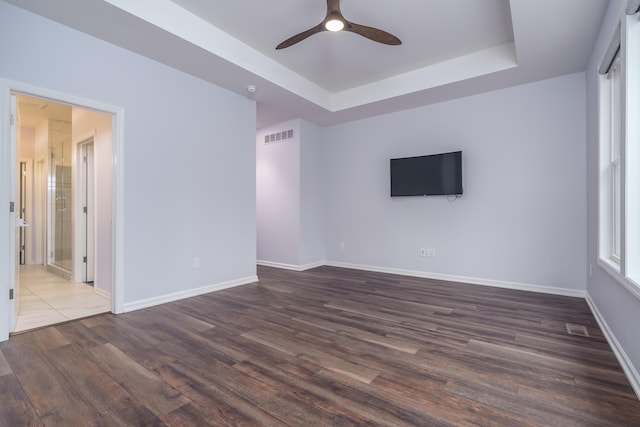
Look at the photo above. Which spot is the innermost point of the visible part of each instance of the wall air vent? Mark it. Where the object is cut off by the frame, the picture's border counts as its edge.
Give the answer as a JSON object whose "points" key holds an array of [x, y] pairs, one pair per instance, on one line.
{"points": [[278, 136], [577, 330]]}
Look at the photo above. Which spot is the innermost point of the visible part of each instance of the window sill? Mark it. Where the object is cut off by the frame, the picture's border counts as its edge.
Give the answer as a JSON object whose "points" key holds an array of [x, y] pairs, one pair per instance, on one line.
{"points": [[613, 270]]}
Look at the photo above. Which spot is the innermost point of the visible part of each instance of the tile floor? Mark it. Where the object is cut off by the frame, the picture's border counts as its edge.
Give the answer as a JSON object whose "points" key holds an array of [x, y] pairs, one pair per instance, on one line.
{"points": [[45, 298]]}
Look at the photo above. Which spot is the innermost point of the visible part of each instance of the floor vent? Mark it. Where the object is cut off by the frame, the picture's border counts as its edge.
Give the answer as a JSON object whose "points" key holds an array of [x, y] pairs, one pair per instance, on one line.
{"points": [[578, 330], [278, 136]]}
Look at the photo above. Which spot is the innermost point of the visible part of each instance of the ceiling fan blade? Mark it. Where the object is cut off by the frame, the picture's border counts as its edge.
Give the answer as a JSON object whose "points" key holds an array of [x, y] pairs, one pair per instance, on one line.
{"points": [[334, 14], [301, 36], [374, 34]]}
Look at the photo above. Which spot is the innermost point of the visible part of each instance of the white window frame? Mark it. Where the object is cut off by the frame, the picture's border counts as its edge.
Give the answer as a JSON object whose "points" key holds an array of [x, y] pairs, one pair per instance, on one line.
{"points": [[611, 109], [614, 167], [631, 153], [619, 154]]}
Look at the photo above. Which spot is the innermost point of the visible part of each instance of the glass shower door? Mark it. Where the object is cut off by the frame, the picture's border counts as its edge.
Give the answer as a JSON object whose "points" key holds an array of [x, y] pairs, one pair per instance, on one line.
{"points": [[60, 197]]}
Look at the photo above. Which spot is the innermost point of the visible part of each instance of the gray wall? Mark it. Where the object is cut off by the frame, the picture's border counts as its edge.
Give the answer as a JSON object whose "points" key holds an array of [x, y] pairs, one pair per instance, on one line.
{"points": [[290, 196], [311, 194], [521, 219], [278, 196], [189, 154], [616, 306]]}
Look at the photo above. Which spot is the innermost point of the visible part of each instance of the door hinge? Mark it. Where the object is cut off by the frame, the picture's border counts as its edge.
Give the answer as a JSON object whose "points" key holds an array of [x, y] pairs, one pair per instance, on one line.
{"points": [[12, 206], [12, 120], [84, 209], [84, 259], [10, 294]]}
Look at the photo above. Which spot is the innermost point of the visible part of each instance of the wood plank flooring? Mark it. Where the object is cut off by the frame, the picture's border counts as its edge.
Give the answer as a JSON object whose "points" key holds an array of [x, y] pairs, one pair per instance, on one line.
{"points": [[326, 347]]}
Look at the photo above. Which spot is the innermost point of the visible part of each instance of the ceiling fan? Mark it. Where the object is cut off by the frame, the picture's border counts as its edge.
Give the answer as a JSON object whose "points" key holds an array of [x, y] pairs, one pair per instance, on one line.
{"points": [[334, 21]]}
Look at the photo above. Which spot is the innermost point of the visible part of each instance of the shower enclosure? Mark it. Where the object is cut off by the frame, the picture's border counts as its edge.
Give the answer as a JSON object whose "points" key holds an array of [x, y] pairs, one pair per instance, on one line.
{"points": [[60, 200]]}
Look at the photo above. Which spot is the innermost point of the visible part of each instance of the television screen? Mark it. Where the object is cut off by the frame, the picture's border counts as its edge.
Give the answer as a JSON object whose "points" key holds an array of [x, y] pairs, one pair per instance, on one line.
{"points": [[432, 175]]}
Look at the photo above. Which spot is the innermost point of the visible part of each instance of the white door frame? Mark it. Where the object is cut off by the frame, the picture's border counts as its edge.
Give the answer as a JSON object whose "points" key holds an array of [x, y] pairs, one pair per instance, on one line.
{"points": [[85, 195], [7, 193], [12, 267]]}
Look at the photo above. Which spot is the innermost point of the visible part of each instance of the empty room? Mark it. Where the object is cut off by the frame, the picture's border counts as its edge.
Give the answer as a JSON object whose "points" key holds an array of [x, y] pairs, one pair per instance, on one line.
{"points": [[320, 213]]}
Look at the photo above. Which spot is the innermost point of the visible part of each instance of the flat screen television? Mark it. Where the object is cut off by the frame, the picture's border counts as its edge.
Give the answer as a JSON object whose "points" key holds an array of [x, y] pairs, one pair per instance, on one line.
{"points": [[432, 175]]}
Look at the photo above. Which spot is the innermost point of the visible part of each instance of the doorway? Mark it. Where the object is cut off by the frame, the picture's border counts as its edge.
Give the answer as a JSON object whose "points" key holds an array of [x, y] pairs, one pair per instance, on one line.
{"points": [[58, 250]]}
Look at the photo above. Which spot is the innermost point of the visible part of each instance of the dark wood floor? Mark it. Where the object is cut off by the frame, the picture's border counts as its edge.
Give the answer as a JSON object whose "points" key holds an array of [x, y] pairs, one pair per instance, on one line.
{"points": [[327, 347]]}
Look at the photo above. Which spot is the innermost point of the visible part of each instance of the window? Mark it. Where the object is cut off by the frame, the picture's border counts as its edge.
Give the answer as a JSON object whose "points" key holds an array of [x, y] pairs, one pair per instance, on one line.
{"points": [[616, 107], [631, 155], [619, 157], [612, 109]]}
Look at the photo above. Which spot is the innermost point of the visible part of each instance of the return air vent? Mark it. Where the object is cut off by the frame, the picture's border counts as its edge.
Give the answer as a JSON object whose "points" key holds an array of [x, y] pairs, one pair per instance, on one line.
{"points": [[578, 330], [278, 136]]}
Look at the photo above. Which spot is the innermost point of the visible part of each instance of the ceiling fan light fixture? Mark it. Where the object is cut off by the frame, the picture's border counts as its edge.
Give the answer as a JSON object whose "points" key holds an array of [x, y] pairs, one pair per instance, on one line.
{"points": [[334, 25], [334, 21]]}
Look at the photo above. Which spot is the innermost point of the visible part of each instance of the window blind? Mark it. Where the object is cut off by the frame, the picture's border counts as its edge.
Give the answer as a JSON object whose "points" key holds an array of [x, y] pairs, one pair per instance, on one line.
{"points": [[612, 51]]}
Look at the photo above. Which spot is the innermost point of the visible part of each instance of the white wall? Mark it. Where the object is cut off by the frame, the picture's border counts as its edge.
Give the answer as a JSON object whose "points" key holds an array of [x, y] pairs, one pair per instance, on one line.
{"points": [[278, 196], [27, 143], [189, 155], [617, 307], [86, 123], [39, 223], [311, 194], [290, 196], [41, 141], [521, 219]]}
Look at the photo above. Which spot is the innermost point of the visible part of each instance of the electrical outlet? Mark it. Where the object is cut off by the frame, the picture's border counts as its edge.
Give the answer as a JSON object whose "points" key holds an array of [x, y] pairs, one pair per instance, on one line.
{"points": [[196, 262], [423, 252], [431, 253], [342, 246]]}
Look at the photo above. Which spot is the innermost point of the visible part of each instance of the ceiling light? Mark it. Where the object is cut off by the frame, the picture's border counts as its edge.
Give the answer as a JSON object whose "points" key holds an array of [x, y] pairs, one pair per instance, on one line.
{"points": [[334, 25], [251, 88]]}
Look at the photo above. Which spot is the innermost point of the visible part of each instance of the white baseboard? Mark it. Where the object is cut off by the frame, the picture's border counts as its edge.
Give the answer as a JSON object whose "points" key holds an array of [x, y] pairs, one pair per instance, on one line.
{"points": [[630, 371], [163, 299], [291, 267], [102, 292], [464, 279]]}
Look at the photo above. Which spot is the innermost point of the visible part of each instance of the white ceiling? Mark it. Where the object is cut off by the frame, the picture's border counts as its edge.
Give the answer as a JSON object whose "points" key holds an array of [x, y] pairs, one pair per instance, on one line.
{"points": [[32, 112], [451, 48], [341, 61]]}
